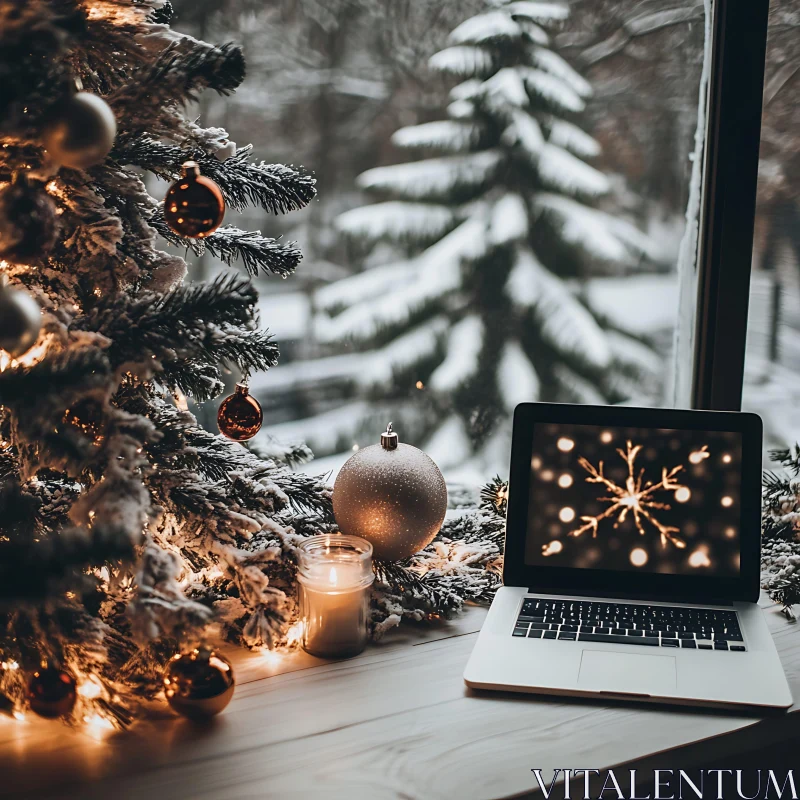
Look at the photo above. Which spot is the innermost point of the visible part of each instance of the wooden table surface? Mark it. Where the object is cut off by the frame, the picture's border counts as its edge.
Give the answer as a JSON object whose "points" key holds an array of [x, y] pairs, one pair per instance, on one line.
{"points": [[395, 722]]}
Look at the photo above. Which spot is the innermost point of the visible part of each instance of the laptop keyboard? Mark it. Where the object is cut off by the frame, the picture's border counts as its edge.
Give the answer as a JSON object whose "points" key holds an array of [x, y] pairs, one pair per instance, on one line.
{"points": [[621, 623]]}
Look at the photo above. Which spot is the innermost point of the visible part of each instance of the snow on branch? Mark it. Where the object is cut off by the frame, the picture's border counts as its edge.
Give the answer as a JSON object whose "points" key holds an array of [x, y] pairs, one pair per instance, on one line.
{"points": [[509, 220], [543, 13], [554, 64], [464, 343], [433, 177], [398, 221], [576, 388], [464, 61], [274, 187], [552, 90], [493, 26], [601, 236], [256, 252], [364, 286], [404, 352], [447, 134], [572, 138], [561, 171], [563, 321], [516, 377], [182, 70], [438, 272]]}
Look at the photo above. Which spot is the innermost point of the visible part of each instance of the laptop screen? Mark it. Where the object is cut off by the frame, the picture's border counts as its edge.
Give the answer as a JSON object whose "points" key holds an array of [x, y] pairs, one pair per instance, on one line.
{"points": [[635, 499]]}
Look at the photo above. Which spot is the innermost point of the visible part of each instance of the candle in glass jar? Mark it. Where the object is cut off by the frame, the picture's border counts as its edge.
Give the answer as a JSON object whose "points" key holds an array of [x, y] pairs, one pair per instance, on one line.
{"points": [[335, 575]]}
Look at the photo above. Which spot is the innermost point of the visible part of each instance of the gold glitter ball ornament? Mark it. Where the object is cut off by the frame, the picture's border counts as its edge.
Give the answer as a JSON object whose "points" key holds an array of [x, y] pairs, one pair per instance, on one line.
{"points": [[20, 321], [240, 415], [199, 683], [193, 206], [51, 692], [391, 494], [80, 131]]}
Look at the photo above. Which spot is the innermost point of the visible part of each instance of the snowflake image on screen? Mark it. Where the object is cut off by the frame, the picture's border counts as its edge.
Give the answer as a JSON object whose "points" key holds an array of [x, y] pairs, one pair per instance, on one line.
{"points": [[636, 497]]}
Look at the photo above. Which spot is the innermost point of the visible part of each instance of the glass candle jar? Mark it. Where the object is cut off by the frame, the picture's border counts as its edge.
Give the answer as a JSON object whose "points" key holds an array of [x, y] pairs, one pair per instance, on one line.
{"points": [[335, 574]]}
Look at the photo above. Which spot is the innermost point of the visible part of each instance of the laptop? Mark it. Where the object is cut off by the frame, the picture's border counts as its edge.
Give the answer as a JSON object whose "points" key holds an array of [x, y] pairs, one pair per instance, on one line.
{"points": [[632, 560]]}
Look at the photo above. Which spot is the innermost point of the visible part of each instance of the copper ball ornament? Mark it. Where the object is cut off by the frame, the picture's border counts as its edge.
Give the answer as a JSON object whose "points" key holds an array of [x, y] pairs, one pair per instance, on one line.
{"points": [[28, 221], [240, 415], [193, 206], [52, 692], [393, 495], [20, 321], [199, 683], [80, 131]]}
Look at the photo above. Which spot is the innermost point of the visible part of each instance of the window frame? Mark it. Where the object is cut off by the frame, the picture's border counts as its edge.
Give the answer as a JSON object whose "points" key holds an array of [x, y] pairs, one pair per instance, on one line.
{"points": [[728, 202]]}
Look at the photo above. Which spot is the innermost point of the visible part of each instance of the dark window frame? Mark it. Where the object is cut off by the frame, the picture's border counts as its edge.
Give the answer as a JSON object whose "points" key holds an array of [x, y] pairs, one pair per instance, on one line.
{"points": [[728, 207]]}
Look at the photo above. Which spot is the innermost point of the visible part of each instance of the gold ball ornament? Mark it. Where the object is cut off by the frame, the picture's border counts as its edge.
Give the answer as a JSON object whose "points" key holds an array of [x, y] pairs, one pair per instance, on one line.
{"points": [[80, 131], [20, 321], [240, 415], [198, 684], [52, 692], [193, 206], [391, 494]]}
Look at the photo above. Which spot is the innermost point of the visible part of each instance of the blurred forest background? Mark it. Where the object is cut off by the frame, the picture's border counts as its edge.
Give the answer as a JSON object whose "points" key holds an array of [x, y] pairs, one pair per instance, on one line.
{"points": [[330, 82]]}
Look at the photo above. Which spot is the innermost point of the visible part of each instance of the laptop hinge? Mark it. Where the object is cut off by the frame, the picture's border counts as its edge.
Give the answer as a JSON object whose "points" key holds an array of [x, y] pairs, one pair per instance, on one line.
{"points": [[708, 601]]}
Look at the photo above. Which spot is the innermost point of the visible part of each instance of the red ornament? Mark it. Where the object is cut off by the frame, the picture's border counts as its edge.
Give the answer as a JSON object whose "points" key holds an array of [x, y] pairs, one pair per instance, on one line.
{"points": [[240, 415], [193, 206], [51, 692]]}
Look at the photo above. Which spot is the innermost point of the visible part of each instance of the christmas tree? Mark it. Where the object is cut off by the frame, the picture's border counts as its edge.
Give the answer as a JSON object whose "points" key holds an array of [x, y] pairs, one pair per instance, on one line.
{"points": [[470, 300], [124, 526]]}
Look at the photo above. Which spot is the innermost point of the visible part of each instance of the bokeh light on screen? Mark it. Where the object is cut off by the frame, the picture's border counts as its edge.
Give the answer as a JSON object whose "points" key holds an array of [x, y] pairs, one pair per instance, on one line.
{"points": [[699, 558], [683, 494], [679, 490], [551, 548], [698, 456]]}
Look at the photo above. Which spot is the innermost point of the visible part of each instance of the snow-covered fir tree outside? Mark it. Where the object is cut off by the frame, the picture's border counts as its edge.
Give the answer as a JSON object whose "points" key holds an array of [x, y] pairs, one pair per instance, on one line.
{"points": [[471, 297]]}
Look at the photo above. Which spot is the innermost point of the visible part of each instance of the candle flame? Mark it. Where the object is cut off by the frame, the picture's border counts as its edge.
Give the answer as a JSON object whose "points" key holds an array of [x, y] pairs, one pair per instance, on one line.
{"points": [[332, 577]]}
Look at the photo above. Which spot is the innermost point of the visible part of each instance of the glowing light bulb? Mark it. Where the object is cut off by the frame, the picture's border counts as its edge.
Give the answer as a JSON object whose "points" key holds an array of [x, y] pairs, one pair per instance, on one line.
{"points": [[726, 501], [564, 444], [727, 458], [536, 462], [699, 455], [730, 532], [606, 437], [565, 480], [638, 557], [546, 475], [566, 514]]}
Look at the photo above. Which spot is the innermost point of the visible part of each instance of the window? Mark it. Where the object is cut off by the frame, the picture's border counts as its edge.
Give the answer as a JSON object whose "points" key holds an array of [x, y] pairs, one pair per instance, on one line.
{"points": [[504, 196], [772, 365]]}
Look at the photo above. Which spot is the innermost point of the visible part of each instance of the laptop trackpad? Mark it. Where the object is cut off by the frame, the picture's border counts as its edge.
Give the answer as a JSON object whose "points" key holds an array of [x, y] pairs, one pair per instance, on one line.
{"points": [[626, 673]]}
